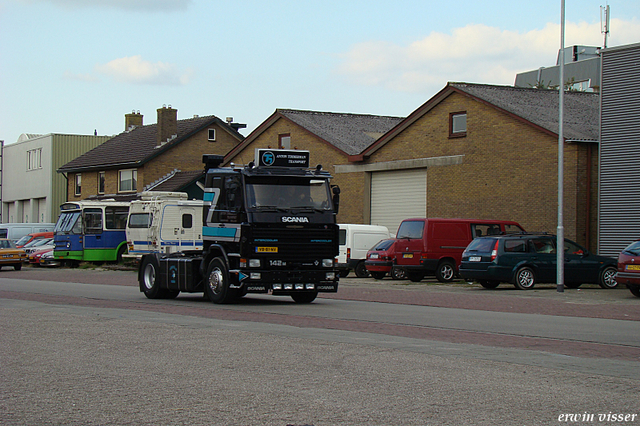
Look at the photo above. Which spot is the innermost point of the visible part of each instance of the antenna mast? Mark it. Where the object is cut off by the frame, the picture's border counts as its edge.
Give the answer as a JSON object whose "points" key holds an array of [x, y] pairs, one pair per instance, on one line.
{"points": [[605, 22]]}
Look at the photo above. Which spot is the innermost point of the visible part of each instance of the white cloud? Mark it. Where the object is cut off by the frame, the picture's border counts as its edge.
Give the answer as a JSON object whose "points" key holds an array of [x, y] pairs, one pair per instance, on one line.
{"points": [[135, 70], [474, 53], [90, 78]]}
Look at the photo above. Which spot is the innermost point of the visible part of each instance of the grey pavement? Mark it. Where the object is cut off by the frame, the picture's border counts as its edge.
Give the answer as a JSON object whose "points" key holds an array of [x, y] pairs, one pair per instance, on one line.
{"points": [[64, 364]]}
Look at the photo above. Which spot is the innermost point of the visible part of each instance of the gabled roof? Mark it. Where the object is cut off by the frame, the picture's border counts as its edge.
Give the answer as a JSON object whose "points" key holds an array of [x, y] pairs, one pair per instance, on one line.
{"points": [[176, 181], [135, 147], [536, 107], [349, 133]]}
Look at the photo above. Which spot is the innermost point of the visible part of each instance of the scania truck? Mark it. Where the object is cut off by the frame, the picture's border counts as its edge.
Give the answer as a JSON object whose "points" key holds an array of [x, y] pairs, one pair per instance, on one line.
{"points": [[268, 227]]}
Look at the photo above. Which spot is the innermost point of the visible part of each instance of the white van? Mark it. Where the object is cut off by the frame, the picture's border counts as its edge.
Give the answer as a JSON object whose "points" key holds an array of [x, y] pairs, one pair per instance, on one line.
{"points": [[355, 241], [164, 222], [15, 231]]}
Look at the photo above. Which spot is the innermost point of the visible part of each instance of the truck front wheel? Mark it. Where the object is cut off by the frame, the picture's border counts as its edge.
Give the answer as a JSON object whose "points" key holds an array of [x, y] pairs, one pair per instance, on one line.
{"points": [[217, 282], [304, 297]]}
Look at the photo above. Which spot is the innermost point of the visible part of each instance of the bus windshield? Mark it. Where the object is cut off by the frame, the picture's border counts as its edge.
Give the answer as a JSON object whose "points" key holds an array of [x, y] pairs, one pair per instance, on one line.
{"points": [[69, 222], [288, 193]]}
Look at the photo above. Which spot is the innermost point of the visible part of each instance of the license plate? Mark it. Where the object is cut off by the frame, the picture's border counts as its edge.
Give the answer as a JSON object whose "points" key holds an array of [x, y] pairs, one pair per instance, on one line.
{"points": [[475, 259], [266, 249], [408, 256], [373, 256], [7, 255], [633, 267]]}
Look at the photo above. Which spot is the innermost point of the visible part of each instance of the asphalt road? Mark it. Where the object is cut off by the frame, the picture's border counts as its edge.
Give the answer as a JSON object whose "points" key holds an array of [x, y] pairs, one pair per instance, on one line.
{"points": [[86, 347]]}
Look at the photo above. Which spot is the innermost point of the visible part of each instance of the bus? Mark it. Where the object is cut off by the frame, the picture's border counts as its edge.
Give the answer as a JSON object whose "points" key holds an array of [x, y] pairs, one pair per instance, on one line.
{"points": [[91, 231]]}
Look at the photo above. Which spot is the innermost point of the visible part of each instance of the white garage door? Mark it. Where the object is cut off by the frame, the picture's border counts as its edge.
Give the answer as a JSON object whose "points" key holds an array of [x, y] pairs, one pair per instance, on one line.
{"points": [[397, 195]]}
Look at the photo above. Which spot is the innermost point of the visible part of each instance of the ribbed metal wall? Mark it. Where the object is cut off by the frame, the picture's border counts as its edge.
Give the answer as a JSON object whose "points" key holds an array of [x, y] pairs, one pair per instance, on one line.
{"points": [[619, 219], [64, 149]]}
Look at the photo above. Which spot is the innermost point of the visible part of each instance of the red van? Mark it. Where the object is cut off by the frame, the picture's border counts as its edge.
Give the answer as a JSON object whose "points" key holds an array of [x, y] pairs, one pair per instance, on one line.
{"points": [[435, 246], [30, 237]]}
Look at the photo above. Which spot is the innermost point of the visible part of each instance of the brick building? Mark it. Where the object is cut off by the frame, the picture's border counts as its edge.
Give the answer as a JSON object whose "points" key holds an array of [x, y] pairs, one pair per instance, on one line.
{"points": [[486, 152], [146, 157], [330, 137]]}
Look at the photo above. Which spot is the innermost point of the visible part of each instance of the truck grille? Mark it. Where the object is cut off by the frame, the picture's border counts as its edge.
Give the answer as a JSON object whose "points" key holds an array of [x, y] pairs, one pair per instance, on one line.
{"points": [[300, 245]]}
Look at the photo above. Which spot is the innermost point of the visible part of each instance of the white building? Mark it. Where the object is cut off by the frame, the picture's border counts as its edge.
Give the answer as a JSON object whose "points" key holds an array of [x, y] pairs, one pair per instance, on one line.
{"points": [[32, 190]]}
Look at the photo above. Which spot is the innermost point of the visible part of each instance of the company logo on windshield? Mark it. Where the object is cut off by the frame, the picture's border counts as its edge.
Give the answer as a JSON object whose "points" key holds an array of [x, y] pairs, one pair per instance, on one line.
{"points": [[295, 219]]}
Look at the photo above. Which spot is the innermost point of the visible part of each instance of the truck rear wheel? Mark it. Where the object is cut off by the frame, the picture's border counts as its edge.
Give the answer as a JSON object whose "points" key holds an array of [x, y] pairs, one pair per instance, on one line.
{"points": [[148, 282], [304, 297], [217, 282]]}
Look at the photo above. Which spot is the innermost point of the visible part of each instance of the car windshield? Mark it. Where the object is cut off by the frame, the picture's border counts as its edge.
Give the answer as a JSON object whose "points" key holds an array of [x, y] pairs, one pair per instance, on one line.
{"points": [[7, 244], [383, 245], [633, 248], [22, 241], [481, 245]]}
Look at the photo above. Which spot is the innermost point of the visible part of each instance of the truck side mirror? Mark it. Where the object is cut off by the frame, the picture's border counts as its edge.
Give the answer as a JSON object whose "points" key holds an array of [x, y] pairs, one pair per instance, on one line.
{"points": [[336, 198]]}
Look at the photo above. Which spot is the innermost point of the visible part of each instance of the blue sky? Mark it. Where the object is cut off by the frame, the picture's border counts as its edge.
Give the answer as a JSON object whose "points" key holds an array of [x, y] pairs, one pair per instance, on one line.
{"points": [[75, 66]]}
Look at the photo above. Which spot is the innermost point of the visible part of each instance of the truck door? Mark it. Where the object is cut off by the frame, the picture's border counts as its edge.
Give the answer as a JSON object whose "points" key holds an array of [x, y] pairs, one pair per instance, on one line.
{"points": [[188, 231]]}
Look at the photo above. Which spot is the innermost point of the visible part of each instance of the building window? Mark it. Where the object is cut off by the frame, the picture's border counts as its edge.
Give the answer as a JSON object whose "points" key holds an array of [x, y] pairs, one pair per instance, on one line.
{"points": [[34, 159], [127, 180], [78, 189], [458, 124], [212, 135], [101, 178], [284, 141]]}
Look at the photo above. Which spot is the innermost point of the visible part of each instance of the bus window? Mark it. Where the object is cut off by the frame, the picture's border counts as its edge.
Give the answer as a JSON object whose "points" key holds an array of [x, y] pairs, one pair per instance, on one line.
{"points": [[93, 221], [116, 217]]}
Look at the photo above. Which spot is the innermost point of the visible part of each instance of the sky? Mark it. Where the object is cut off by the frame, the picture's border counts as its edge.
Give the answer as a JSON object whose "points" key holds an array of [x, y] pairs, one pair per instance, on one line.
{"points": [[78, 66]]}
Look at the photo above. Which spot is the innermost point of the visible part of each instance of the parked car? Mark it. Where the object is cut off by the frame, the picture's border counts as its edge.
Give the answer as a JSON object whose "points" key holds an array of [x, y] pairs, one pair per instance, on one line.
{"points": [[629, 268], [354, 242], [381, 260], [34, 254], [10, 255], [527, 259], [48, 259], [15, 231], [32, 237], [35, 246], [434, 246]]}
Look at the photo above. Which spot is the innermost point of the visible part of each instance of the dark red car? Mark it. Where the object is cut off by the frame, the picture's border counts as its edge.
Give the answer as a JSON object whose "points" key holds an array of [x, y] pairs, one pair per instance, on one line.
{"points": [[629, 268], [381, 260]]}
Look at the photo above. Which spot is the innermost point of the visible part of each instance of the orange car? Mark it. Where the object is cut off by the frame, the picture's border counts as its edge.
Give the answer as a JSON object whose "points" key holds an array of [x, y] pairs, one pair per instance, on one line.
{"points": [[10, 255]]}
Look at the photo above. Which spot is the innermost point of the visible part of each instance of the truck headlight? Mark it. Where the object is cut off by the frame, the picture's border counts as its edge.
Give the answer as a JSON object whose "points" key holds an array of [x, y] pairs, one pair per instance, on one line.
{"points": [[254, 263], [255, 276], [330, 276], [327, 263]]}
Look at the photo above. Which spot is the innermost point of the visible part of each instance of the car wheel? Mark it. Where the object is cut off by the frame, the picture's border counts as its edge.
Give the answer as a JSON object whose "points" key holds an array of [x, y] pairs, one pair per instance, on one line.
{"points": [[378, 275], [635, 291], [17, 266], [608, 277], [304, 297], [446, 271], [361, 270], [217, 282], [397, 273], [525, 278], [489, 284]]}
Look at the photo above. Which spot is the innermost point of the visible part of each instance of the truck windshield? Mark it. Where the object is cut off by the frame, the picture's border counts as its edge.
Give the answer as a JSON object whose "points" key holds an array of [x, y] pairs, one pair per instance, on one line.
{"points": [[68, 222], [288, 193]]}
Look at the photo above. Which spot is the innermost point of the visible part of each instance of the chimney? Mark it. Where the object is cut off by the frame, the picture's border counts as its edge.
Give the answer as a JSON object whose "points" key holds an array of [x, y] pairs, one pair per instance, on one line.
{"points": [[132, 120], [167, 124]]}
